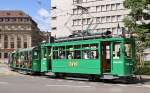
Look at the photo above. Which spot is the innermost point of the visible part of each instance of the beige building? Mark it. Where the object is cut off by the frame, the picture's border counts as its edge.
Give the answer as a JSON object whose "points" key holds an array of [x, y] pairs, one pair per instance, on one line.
{"points": [[17, 30], [79, 15]]}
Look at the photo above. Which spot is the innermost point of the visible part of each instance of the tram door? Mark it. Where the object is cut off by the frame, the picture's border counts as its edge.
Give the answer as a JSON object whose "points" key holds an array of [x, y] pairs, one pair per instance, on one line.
{"points": [[106, 57], [49, 58]]}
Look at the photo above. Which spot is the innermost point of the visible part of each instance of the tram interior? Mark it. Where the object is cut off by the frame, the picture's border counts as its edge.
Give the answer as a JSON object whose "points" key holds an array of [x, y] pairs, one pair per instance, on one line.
{"points": [[106, 59]]}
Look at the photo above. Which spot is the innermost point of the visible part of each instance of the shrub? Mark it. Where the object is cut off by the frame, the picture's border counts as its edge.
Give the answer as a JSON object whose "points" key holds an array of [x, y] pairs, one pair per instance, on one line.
{"points": [[144, 70]]}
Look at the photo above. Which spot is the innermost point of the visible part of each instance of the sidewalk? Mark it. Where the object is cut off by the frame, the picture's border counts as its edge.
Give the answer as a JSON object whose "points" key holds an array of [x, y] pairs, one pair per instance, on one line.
{"points": [[4, 70], [145, 76]]}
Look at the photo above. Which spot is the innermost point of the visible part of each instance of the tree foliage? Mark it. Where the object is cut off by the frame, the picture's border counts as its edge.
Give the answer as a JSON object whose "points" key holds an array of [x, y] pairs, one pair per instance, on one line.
{"points": [[136, 21]]}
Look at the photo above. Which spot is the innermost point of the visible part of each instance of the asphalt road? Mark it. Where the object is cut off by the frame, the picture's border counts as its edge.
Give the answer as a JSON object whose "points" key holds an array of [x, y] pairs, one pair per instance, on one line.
{"points": [[44, 84]]}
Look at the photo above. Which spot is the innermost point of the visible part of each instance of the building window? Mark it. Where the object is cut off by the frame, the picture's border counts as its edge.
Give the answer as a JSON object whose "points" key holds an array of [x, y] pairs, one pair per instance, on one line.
{"points": [[8, 13], [79, 22], [113, 7], [7, 19], [25, 44], [103, 19], [5, 44], [13, 20], [54, 18], [18, 42], [103, 8], [77, 1], [75, 11], [98, 20], [80, 11], [84, 21], [54, 7], [113, 19], [1, 19], [12, 44], [12, 41], [54, 28], [114, 31], [108, 19], [75, 22], [21, 14], [88, 20], [108, 29], [108, 7], [119, 18], [119, 6], [0, 37], [5, 55], [104, 30], [26, 19], [20, 19], [5, 41], [98, 8]]}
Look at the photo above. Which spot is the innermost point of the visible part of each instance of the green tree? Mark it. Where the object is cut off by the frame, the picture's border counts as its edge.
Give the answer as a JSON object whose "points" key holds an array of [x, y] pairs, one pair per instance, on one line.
{"points": [[137, 23]]}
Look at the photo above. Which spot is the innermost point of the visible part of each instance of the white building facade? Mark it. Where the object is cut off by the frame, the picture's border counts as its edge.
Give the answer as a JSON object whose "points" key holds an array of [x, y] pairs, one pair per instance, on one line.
{"points": [[95, 15], [60, 13]]}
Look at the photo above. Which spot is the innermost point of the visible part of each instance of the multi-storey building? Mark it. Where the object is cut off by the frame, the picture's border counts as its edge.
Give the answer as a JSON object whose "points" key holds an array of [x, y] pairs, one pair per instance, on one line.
{"points": [[17, 30], [60, 17], [96, 16]]}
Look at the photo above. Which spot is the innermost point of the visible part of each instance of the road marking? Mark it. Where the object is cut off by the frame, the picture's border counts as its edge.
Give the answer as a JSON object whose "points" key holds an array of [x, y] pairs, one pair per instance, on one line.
{"points": [[74, 86], [137, 86], [81, 82], [107, 84], [70, 81], [147, 86], [3, 83], [122, 85], [60, 80]]}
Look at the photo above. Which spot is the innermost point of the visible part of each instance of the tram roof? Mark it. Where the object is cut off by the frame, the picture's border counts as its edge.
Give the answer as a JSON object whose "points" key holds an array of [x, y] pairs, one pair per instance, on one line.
{"points": [[26, 49], [89, 41]]}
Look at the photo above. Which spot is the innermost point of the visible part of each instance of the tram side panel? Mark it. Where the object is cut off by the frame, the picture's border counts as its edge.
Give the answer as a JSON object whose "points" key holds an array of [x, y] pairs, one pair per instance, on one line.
{"points": [[82, 59]]}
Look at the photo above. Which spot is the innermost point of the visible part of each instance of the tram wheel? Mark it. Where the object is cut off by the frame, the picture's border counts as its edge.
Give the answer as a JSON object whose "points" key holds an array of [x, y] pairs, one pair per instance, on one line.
{"points": [[93, 78], [60, 75]]}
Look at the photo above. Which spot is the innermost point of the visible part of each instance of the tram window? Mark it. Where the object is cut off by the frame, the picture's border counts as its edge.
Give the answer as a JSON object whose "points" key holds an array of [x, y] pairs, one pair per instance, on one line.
{"points": [[62, 53], [30, 55], [77, 46], [69, 48], [77, 54], [116, 51], [70, 54], [44, 53], [90, 54], [55, 55], [21, 56], [55, 48], [128, 50], [94, 54], [35, 54], [86, 46], [50, 52], [94, 46]]}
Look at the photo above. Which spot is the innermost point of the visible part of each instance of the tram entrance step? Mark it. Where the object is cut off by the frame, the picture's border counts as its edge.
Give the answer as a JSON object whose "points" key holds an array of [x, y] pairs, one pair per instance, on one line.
{"points": [[108, 76]]}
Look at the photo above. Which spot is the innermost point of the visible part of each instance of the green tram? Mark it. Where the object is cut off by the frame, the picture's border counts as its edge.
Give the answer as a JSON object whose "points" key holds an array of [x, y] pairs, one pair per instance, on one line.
{"points": [[29, 60], [105, 58]]}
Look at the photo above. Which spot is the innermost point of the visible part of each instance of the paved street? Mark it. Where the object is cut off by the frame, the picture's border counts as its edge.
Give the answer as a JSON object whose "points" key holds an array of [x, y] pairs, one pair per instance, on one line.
{"points": [[11, 82], [4, 70], [44, 84]]}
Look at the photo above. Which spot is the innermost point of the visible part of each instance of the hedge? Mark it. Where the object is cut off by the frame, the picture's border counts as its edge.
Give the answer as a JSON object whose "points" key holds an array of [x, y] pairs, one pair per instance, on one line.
{"points": [[144, 70]]}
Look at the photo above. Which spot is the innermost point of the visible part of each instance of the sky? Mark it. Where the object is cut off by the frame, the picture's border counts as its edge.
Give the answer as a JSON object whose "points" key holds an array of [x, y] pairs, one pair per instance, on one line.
{"points": [[39, 10]]}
